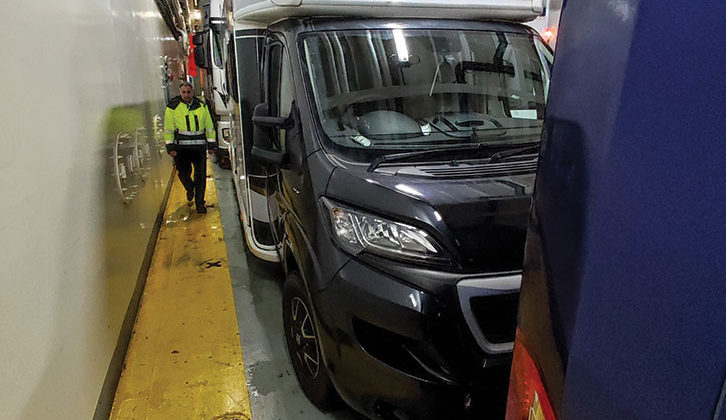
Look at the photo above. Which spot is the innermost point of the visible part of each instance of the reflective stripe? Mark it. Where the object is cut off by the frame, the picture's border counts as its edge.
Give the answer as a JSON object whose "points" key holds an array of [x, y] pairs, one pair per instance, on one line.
{"points": [[169, 131], [190, 133], [211, 140], [188, 126], [170, 141], [193, 142], [196, 121]]}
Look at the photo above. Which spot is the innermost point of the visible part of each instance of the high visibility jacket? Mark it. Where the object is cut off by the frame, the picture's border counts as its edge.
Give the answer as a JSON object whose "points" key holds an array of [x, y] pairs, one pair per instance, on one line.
{"points": [[188, 126]]}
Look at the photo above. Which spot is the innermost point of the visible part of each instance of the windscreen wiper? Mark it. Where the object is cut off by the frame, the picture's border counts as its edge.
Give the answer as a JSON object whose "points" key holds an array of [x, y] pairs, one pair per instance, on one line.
{"points": [[499, 156], [393, 157]]}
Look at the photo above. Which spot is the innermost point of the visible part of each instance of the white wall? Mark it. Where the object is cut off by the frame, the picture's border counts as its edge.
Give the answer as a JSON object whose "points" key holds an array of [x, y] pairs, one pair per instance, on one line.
{"points": [[70, 251]]}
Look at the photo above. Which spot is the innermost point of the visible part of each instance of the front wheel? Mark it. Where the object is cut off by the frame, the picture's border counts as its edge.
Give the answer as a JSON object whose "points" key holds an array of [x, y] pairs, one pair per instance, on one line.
{"points": [[303, 344]]}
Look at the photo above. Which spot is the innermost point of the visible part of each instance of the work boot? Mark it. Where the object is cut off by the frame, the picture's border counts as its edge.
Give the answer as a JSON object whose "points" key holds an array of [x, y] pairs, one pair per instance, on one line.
{"points": [[190, 195], [201, 209]]}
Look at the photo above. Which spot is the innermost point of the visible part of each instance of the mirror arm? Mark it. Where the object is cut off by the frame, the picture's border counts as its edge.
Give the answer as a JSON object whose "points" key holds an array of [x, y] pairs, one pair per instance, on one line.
{"points": [[274, 122]]}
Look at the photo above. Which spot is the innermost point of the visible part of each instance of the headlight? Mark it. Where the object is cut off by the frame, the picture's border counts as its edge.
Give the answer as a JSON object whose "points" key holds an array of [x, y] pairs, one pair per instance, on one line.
{"points": [[356, 231]]}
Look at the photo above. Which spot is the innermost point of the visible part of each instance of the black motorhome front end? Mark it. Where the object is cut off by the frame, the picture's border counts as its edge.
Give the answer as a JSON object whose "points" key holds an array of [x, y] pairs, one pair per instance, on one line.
{"points": [[400, 159]]}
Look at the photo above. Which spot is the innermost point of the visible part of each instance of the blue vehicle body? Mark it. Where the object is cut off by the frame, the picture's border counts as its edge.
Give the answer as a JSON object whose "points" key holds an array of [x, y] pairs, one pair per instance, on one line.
{"points": [[623, 299]]}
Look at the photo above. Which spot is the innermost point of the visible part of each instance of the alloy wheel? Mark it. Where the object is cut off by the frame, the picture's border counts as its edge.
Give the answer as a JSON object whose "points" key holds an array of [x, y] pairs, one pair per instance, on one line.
{"points": [[304, 338]]}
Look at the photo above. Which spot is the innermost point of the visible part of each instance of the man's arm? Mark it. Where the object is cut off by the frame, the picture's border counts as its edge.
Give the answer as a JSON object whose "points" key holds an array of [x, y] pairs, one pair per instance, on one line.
{"points": [[210, 133], [169, 132]]}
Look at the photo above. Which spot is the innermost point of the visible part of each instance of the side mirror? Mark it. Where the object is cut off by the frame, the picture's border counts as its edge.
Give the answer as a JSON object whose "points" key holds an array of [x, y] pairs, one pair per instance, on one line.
{"points": [[200, 57], [198, 39], [200, 52], [262, 149]]}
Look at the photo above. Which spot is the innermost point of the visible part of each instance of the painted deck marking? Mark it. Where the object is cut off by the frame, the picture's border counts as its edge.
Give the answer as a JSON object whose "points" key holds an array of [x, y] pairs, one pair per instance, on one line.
{"points": [[184, 360]]}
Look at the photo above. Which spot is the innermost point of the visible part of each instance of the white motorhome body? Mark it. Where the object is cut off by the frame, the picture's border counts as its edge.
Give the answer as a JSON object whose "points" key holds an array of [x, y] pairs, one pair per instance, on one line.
{"points": [[250, 180], [269, 11]]}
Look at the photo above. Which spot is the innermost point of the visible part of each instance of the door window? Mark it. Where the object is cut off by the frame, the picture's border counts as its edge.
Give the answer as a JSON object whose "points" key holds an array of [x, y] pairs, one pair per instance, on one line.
{"points": [[281, 91], [231, 74]]}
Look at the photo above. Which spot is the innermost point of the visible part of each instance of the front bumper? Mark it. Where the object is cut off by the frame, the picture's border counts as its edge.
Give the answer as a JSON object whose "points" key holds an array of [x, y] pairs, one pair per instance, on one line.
{"points": [[395, 350]]}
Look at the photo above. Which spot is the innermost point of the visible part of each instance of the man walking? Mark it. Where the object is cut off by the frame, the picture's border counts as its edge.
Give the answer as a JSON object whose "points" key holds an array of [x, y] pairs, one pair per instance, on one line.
{"points": [[188, 132]]}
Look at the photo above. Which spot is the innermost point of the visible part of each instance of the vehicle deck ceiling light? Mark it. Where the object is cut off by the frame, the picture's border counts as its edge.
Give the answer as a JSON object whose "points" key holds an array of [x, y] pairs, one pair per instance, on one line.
{"points": [[548, 34], [401, 47]]}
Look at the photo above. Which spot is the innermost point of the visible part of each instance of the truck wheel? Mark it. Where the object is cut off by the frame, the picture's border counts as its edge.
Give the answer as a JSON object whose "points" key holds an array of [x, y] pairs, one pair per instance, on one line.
{"points": [[303, 345]]}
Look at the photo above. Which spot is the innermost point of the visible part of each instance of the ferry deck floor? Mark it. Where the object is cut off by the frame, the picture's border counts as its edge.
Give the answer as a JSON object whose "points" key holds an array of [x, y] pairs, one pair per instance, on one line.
{"points": [[184, 359], [273, 389]]}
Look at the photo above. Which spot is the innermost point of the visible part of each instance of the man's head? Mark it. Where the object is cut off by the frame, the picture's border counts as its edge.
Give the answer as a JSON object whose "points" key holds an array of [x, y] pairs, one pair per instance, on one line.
{"points": [[187, 92]]}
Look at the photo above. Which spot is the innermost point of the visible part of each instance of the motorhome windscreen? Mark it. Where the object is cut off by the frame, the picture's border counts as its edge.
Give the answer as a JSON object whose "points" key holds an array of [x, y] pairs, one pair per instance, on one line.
{"points": [[406, 90]]}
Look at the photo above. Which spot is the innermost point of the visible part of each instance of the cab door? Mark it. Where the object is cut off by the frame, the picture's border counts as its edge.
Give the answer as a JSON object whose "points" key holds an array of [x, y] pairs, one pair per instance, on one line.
{"points": [[289, 199]]}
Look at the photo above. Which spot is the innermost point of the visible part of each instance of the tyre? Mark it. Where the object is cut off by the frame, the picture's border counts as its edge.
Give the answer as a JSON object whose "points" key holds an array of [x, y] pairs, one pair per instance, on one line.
{"points": [[222, 158], [303, 344]]}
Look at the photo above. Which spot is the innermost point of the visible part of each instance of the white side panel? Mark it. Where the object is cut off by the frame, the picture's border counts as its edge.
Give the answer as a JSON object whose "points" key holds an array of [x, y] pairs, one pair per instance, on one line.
{"points": [[269, 11], [74, 73]]}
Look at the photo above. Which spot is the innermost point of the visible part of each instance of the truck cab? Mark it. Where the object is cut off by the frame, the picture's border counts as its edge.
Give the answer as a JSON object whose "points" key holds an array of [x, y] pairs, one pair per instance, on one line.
{"points": [[214, 52], [386, 158]]}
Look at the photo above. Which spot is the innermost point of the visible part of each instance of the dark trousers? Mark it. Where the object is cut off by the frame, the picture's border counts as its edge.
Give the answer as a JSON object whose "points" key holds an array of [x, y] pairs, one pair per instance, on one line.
{"points": [[184, 160]]}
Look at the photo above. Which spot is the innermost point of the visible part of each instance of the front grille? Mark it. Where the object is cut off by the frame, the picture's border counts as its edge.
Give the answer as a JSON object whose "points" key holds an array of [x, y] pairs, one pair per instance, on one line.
{"points": [[496, 316], [467, 170], [489, 306]]}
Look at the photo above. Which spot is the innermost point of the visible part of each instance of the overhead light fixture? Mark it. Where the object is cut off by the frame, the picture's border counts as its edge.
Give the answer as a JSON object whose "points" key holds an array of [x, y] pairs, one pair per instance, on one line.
{"points": [[549, 35], [401, 47]]}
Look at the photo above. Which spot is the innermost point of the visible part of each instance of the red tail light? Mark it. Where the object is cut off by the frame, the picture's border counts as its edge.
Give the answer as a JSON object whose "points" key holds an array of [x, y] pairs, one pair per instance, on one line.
{"points": [[527, 399]]}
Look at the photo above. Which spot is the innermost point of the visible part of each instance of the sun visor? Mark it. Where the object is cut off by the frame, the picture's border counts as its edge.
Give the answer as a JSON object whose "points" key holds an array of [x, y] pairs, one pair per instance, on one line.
{"points": [[270, 11]]}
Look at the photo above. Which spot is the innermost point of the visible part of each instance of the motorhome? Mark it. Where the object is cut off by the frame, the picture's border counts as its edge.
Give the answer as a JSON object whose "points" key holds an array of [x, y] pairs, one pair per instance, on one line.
{"points": [[385, 155]]}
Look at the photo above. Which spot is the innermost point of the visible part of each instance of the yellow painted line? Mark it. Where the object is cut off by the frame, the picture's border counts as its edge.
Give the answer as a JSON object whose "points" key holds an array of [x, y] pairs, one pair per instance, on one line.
{"points": [[184, 359]]}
